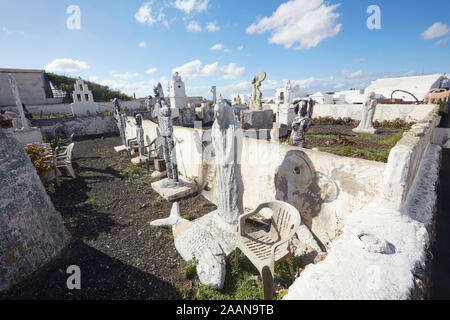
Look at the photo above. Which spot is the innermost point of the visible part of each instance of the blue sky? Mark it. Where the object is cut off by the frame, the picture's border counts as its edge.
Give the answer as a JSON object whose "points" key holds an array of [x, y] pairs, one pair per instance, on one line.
{"points": [[321, 45]]}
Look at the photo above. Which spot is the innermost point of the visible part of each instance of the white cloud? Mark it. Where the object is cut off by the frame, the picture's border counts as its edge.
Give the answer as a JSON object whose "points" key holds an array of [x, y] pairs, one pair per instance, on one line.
{"points": [[240, 48], [151, 71], [145, 15], [143, 44], [188, 6], [217, 46], [306, 22], [212, 27], [195, 69], [227, 50], [441, 42], [355, 74], [194, 26], [67, 65], [360, 59], [126, 75], [436, 30]]}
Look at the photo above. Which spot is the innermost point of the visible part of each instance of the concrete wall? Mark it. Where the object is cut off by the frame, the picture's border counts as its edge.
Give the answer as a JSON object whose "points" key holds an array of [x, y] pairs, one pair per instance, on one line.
{"points": [[389, 112], [327, 189], [31, 230], [31, 88], [81, 126], [404, 160]]}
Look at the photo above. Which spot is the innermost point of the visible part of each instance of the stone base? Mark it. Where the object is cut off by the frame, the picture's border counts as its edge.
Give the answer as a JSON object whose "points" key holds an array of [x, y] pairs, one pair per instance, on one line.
{"points": [[366, 131], [256, 119], [122, 148], [139, 160], [277, 133], [223, 233], [159, 174], [172, 191], [262, 134]]}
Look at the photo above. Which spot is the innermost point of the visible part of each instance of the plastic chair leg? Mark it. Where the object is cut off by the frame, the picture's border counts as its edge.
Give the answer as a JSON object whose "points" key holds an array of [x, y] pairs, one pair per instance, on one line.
{"points": [[267, 279]]}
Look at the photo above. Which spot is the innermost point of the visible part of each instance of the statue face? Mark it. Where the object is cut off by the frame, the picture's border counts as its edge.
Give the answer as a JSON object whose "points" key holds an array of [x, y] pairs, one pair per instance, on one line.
{"points": [[224, 114]]}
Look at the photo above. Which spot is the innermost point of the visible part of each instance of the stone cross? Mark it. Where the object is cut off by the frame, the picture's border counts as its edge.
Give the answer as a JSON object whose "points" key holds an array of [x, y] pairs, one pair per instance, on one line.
{"points": [[224, 141], [301, 122], [15, 90], [366, 125], [256, 93], [166, 131]]}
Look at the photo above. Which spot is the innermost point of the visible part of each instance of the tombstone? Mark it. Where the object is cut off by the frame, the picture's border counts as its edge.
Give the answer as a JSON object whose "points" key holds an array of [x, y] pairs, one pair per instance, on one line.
{"points": [[25, 134], [83, 101], [301, 123], [171, 188], [256, 93], [366, 124], [256, 119]]}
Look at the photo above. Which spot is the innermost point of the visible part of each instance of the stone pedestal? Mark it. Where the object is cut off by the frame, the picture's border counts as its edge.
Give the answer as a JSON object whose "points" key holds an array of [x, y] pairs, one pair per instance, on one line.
{"points": [[172, 191], [286, 115], [256, 119]]}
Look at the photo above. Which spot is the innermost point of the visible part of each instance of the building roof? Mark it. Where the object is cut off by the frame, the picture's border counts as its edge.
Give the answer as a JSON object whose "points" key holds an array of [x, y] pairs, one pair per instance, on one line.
{"points": [[6, 70]]}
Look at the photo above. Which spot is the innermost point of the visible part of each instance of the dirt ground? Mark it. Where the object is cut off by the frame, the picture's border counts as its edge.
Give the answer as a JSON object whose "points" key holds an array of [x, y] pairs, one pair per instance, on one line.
{"points": [[108, 209]]}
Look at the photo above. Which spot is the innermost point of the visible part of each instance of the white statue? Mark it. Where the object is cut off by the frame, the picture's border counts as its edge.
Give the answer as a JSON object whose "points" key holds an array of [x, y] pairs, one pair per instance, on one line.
{"points": [[289, 92], [15, 90], [224, 141], [366, 125]]}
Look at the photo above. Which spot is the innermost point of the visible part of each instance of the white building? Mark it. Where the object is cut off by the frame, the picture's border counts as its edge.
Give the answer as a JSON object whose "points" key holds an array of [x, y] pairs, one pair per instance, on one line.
{"points": [[418, 86], [177, 92], [322, 98], [83, 101], [280, 94], [349, 97]]}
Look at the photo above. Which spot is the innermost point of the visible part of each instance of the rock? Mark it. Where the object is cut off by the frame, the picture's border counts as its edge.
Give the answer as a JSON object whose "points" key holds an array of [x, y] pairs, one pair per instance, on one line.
{"points": [[159, 175]]}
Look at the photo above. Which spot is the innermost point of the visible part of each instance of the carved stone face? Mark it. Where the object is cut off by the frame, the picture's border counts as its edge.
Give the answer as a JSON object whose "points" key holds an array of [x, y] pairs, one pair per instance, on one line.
{"points": [[224, 115]]}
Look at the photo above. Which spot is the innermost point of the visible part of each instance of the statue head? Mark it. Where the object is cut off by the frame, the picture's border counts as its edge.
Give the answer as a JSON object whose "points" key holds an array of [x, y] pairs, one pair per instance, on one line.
{"points": [[139, 120], [158, 90], [224, 114]]}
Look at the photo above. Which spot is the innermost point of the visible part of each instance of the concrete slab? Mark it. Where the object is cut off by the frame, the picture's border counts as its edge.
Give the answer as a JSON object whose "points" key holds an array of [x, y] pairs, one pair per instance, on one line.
{"points": [[139, 160], [121, 148], [171, 192]]}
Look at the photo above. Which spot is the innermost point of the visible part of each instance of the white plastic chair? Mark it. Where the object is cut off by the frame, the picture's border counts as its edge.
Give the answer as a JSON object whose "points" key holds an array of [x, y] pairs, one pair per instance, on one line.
{"points": [[64, 160]]}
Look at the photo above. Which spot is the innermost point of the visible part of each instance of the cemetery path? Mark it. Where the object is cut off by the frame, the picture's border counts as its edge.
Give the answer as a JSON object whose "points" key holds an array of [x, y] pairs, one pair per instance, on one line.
{"points": [[440, 267], [108, 209]]}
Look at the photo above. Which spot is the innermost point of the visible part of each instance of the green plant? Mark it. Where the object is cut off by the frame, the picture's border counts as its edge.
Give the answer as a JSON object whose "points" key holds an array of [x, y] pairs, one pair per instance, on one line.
{"points": [[90, 202], [41, 162], [190, 270]]}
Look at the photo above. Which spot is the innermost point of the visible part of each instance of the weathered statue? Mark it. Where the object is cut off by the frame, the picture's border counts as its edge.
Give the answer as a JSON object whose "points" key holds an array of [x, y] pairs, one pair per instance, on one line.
{"points": [[256, 93], [159, 95], [304, 110], [366, 125], [238, 101], [289, 92], [220, 98], [214, 92], [148, 103], [140, 134], [166, 131], [224, 141], [19, 104], [121, 124]]}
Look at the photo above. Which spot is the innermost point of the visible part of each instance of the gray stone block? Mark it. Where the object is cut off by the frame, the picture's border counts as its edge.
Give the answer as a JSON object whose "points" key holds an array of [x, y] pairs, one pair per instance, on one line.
{"points": [[256, 119]]}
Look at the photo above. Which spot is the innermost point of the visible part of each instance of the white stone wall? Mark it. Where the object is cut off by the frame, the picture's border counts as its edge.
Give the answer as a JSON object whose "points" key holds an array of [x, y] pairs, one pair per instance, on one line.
{"points": [[31, 88]]}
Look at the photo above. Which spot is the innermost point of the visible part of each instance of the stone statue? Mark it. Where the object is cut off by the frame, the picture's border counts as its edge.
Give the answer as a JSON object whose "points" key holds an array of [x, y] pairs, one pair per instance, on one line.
{"points": [[140, 134], [366, 125], [214, 92], [166, 131], [220, 98], [238, 101], [15, 90], [256, 93], [304, 110], [159, 95], [289, 92], [120, 121], [224, 141], [148, 103]]}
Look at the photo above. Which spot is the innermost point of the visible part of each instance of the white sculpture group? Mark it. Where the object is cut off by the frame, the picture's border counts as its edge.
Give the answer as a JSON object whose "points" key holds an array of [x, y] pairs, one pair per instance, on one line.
{"points": [[366, 124]]}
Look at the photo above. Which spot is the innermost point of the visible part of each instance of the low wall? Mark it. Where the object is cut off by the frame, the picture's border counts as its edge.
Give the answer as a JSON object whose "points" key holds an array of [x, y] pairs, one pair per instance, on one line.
{"points": [[81, 126], [325, 188], [404, 160], [31, 230], [388, 112]]}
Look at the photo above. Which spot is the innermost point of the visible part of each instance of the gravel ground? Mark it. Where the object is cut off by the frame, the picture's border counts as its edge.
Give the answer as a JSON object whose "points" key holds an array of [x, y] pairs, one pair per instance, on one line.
{"points": [[120, 255]]}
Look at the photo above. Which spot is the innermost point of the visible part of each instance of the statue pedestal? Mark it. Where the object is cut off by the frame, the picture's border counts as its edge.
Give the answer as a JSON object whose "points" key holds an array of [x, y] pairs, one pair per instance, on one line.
{"points": [[286, 115], [172, 191], [365, 131], [257, 119]]}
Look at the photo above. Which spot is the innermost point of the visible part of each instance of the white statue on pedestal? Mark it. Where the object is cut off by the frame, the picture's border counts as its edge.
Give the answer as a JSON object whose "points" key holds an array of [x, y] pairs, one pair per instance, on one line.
{"points": [[366, 125]]}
